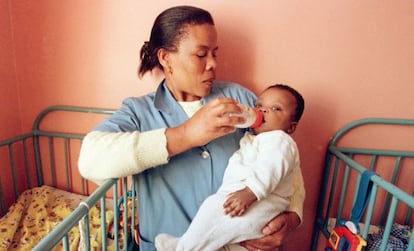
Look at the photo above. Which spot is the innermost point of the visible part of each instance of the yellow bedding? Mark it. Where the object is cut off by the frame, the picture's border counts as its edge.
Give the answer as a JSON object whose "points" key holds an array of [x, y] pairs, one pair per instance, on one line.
{"points": [[37, 211]]}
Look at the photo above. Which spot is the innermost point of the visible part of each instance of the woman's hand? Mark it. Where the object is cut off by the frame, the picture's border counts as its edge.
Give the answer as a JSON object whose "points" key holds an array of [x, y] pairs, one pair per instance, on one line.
{"points": [[208, 123], [275, 233]]}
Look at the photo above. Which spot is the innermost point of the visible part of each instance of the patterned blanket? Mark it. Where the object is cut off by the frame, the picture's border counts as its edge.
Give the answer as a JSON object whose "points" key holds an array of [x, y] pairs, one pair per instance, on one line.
{"points": [[398, 240], [39, 210]]}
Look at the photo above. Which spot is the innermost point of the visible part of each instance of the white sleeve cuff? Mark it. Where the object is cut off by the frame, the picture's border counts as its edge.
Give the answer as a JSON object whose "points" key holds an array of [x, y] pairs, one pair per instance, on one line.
{"points": [[152, 148]]}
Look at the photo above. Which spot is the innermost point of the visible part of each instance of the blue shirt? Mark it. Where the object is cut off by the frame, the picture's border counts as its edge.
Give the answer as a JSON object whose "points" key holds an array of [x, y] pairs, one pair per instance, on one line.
{"points": [[169, 195]]}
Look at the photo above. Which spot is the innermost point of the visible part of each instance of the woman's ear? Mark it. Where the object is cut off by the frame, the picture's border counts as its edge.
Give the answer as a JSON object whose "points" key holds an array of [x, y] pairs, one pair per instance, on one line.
{"points": [[292, 127], [162, 55]]}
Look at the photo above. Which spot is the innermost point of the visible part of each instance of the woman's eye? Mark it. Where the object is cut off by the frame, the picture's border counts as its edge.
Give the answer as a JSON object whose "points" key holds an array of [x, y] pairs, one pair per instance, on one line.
{"points": [[201, 54], [204, 54]]}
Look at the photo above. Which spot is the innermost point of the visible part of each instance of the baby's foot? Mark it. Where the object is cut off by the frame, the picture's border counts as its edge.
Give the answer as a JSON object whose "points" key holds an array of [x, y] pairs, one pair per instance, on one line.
{"points": [[166, 242]]}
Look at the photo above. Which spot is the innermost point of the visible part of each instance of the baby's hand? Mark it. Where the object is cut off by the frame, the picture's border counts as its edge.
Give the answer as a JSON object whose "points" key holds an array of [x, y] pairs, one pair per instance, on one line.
{"points": [[238, 202]]}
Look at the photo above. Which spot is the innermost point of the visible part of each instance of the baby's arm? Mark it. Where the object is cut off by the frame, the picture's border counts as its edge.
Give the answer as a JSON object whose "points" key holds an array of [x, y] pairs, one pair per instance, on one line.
{"points": [[238, 202]]}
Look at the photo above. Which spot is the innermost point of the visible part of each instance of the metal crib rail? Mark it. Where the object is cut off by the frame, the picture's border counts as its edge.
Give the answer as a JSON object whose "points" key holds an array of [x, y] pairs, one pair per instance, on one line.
{"points": [[60, 232], [340, 160], [27, 148], [38, 132]]}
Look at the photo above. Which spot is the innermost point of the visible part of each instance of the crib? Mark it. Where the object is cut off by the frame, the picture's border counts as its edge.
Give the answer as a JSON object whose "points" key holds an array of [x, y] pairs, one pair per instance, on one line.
{"points": [[385, 147], [39, 174]]}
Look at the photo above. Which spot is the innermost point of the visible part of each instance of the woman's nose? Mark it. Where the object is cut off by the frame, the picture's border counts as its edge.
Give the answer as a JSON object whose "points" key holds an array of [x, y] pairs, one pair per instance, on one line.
{"points": [[211, 63]]}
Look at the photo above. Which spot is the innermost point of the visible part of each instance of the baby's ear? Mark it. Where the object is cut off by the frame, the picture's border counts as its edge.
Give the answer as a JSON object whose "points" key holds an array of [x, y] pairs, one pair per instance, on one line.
{"points": [[292, 127]]}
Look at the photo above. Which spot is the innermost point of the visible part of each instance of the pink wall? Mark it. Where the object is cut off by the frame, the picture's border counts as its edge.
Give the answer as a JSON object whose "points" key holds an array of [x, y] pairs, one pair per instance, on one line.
{"points": [[350, 59], [9, 100]]}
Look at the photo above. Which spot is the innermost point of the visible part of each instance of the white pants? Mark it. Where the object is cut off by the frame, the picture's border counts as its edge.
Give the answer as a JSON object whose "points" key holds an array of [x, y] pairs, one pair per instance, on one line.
{"points": [[211, 229]]}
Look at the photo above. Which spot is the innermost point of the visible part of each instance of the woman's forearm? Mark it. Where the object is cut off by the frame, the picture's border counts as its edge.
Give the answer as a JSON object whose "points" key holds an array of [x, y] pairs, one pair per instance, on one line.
{"points": [[106, 155]]}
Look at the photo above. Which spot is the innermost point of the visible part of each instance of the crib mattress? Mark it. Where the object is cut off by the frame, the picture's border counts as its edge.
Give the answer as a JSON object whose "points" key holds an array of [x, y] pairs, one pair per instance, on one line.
{"points": [[37, 211]]}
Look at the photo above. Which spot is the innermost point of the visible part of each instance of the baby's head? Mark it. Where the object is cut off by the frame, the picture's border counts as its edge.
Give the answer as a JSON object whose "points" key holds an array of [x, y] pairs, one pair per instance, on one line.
{"points": [[282, 107]]}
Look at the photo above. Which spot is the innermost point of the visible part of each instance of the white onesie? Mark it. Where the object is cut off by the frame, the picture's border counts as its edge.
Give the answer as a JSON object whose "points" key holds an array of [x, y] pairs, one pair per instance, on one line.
{"points": [[264, 163]]}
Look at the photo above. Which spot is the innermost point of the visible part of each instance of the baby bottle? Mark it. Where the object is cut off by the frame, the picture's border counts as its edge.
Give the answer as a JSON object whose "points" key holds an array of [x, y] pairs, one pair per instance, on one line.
{"points": [[253, 117]]}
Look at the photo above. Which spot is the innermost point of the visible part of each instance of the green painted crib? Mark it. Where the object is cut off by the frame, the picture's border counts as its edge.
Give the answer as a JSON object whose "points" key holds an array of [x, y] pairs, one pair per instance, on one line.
{"points": [[385, 147], [44, 203]]}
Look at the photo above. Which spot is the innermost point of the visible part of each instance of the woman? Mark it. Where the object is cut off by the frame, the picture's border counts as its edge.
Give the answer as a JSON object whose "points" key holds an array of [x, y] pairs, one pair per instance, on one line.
{"points": [[178, 140]]}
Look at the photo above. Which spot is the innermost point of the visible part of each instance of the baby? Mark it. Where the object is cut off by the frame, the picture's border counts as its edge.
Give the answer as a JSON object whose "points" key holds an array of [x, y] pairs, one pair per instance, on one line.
{"points": [[257, 182]]}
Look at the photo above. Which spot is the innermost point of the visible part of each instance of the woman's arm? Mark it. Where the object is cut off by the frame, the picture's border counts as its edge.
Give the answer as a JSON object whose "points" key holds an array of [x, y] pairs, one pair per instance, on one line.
{"points": [[107, 155]]}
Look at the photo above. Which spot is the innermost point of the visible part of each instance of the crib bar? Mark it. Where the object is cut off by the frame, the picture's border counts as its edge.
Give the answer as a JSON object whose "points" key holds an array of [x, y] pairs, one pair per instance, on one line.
{"points": [[103, 222], [385, 121], [373, 162], [379, 152], [15, 139], [411, 242], [370, 210], [394, 190], [42, 114], [60, 135], [125, 212], [116, 216], [65, 242], [85, 232], [340, 155], [84, 185], [13, 172], [134, 208], [52, 161], [388, 225], [330, 199], [67, 164], [396, 169], [38, 160], [26, 163], [343, 192], [388, 197]]}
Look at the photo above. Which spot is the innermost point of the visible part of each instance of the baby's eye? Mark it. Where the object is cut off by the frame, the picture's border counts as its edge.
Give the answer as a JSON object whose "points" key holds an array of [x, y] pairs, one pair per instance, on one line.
{"points": [[257, 106], [276, 108]]}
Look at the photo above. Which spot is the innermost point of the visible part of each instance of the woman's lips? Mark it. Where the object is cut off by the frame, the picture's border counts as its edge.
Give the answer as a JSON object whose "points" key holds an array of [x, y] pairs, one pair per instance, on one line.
{"points": [[209, 82]]}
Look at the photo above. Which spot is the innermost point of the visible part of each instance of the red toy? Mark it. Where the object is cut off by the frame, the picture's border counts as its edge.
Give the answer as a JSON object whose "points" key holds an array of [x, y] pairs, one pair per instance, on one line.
{"points": [[342, 239]]}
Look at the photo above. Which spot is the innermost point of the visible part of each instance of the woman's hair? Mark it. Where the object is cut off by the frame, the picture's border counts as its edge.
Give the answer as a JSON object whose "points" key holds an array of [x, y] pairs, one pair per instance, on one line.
{"points": [[167, 30], [299, 99]]}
